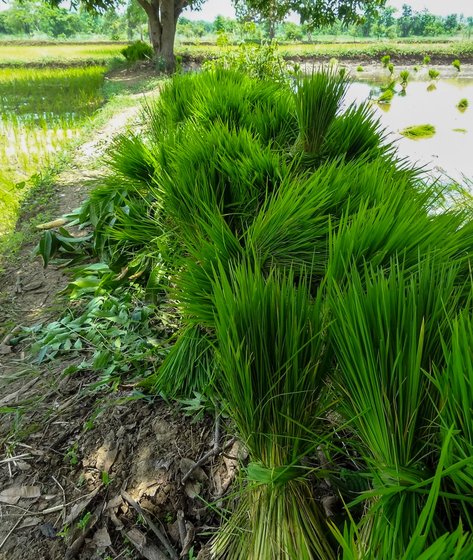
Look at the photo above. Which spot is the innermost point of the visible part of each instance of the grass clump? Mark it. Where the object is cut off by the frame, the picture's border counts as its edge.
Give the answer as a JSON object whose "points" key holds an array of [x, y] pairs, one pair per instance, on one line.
{"points": [[463, 104], [433, 74], [139, 50], [456, 64], [419, 131]]}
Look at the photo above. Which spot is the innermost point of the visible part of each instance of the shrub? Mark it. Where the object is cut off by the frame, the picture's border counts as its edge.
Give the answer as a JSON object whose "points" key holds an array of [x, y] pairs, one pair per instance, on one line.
{"points": [[139, 50]]}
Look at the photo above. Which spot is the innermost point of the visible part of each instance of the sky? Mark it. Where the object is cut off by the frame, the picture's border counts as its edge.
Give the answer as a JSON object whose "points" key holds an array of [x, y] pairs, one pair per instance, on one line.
{"points": [[212, 8]]}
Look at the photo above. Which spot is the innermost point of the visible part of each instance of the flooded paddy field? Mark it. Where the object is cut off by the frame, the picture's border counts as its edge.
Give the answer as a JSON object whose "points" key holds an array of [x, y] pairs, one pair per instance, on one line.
{"points": [[445, 103], [41, 111]]}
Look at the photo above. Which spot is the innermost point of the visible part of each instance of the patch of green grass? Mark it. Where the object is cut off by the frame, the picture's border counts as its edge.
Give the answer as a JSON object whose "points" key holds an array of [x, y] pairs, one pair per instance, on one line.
{"points": [[59, 54], [419, 131], [365, 50], [42, 111], [462, 104], [34, 203]]}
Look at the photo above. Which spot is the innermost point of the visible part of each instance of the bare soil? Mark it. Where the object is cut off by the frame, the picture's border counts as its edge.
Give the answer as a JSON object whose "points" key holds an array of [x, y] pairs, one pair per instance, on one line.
{"points": [[85, 473]]}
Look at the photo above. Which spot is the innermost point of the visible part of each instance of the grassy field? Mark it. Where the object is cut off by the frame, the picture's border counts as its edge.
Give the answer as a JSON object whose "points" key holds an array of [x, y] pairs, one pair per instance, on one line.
{"points": [[103, 53], [42, 110], [354, 50], [58, 53]]}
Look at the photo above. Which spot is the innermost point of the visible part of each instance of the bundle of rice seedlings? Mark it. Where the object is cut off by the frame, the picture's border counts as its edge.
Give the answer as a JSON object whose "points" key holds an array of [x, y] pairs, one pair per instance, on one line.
{"points": [[215, 169], [318, 100], [362, 541], [455, 385], [357, 133], [128, 155], [189, 366], [225, 96], [387, 333], [416, 132], [271, 348], [294, 226]]}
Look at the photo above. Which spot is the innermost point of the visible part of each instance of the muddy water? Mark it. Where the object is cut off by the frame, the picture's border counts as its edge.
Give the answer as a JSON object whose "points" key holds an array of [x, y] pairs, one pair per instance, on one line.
{"points": [[450, 151]]}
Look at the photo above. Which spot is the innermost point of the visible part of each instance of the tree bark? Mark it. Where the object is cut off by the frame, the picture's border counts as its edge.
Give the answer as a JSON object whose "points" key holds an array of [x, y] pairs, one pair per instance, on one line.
{"points": [[168, 21], [162, 22]]}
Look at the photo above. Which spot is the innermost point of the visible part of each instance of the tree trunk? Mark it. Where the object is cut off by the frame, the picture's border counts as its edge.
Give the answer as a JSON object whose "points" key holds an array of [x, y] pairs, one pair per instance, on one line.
{"points": [[168, 26], [154, 26], [162, 22]]}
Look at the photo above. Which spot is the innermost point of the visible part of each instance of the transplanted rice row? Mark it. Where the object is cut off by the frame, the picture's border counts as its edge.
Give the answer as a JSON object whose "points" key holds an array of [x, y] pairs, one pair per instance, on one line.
{"points": [[41, 110]]}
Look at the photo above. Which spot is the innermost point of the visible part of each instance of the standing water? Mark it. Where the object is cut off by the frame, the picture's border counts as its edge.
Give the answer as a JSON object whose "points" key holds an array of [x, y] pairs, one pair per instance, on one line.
{"points": [[450, 151]]}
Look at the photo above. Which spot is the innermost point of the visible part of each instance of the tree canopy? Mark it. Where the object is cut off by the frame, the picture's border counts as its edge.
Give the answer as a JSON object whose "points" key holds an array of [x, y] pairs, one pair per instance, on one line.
{"points": [[313, 13]]}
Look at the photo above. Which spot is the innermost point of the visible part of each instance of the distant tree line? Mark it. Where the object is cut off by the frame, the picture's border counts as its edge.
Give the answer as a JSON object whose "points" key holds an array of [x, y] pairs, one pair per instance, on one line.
{"points": [[32, 18], [388, 23]]}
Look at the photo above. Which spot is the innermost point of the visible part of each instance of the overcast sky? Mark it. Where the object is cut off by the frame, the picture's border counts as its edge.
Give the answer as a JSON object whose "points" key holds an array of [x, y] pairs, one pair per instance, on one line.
{"points": [[213, 8]]}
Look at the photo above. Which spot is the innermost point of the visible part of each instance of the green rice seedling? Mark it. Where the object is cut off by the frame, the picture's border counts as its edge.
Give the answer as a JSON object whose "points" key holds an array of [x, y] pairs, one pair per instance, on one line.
{"points": [[273, 387], [433, 74], [391, 85], [129, 156], [415, 68], [386, 97], [426, 60], [463, 104], [357, 541], [357, 133], [387, 334], [318, 99], [455, 386], [228, 96], [404, 78], [360, 69], [391, 68], [293, 227], [216, 170], [190, 366], [456, 64], [385, 60], [419, 131]]}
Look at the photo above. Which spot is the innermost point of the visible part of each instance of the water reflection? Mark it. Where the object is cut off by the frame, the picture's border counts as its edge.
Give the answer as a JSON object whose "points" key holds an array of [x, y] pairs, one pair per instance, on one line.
{"points": [[450, 150]]}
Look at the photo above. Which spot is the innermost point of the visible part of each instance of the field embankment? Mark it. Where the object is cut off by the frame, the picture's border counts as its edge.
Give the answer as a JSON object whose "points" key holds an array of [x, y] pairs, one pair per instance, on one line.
{"points": [[440, 53]]}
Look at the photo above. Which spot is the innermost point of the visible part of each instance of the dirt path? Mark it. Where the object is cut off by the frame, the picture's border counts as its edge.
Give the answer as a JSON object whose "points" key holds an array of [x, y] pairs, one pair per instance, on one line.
{"points": [[28, 291], [77, 464]]}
